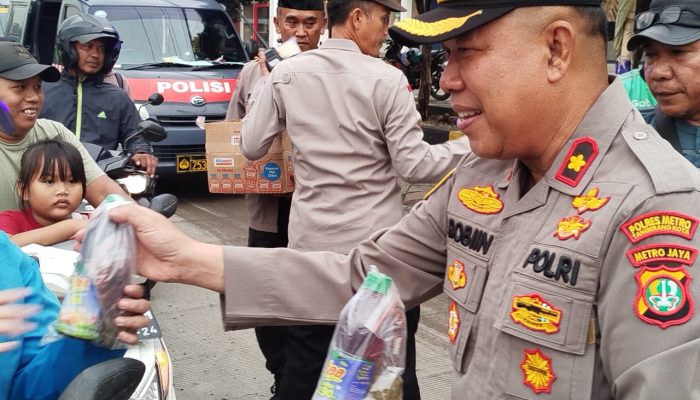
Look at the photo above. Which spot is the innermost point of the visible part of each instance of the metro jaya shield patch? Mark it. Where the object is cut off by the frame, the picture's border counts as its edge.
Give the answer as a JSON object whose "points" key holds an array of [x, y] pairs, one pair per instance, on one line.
{"points": [[571, 227], [662, 252], [663, 296], [534, 313], [589, 201], [453, 322], [660, 223], [538, 374], [457, 275], [481, 199]]}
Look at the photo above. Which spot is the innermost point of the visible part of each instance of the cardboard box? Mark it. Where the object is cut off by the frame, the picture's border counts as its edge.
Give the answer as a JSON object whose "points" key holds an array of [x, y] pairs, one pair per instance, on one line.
{"points": [[229, 172]]}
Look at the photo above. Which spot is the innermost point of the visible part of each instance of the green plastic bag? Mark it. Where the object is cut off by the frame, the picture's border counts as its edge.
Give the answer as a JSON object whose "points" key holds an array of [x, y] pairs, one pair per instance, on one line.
{"points": [[637, 90]]}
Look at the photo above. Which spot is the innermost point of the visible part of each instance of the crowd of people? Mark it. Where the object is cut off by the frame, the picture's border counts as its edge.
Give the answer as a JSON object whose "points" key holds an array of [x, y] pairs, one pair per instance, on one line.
{"points": [[562, 231]]}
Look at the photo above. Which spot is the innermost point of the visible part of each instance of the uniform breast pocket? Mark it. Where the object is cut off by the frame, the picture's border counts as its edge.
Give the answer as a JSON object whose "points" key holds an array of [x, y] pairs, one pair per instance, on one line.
{"points": [[464, 285], [548, 340]]}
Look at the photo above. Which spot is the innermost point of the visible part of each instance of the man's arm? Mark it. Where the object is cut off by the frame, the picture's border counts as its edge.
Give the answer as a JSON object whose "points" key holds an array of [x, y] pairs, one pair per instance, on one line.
{"points": [[414, 159], [100, 188], [265, 119], [129, 124], [646, 317]]}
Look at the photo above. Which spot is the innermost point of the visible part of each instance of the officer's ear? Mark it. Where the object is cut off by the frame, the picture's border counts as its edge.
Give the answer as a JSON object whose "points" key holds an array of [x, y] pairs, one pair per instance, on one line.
{"points": [[560, 40], [356, 17]]}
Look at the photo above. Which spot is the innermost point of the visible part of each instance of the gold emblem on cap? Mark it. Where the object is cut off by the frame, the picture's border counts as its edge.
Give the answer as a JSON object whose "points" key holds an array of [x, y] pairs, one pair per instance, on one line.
{"points": [[420, 28]]}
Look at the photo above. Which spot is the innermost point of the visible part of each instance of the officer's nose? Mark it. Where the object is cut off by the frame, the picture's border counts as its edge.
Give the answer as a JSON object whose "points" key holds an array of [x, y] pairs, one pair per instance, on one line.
{"points": [[450, 80]]}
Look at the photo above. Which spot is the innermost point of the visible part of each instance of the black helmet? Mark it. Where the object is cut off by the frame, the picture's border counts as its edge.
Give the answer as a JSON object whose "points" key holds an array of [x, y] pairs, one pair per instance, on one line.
{"points": [[84, 28]]}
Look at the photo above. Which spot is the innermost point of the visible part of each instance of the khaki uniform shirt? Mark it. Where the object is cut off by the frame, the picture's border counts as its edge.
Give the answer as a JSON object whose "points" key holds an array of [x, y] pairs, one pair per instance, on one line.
{"points": [[262, 209], [580, 288], [353, 122]]}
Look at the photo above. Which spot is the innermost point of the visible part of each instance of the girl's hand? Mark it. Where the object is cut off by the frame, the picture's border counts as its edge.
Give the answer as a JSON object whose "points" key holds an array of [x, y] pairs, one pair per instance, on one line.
{"points": [[12, 316]]}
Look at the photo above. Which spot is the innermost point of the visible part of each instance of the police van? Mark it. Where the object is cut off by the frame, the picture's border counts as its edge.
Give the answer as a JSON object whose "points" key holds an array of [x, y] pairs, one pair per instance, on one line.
{"points": [[187, 50]]}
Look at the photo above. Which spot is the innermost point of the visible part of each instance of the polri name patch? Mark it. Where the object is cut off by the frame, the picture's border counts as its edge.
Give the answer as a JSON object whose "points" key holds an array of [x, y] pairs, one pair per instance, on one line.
{"points": [[662, 252], [660, 223]]}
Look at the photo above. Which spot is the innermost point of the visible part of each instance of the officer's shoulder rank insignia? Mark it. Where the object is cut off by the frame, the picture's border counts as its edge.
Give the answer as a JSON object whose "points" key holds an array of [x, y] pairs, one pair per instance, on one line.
{"points": [[453, 322], [662, 252], [571, 227], [538, 373], [535, 313], [457, 275], [481, 199], [589, 201], [663, 296], [577, 161], [660, 223]]}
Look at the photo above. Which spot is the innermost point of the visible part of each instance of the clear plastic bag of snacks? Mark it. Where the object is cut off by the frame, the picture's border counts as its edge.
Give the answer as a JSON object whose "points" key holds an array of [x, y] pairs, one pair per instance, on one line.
{"points": [[107, 261], [367, 354]]}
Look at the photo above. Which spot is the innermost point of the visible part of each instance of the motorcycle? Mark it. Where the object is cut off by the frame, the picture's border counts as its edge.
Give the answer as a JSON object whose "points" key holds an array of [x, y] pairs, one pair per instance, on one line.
{"points": [[117, 380], [408, 60], [118, 166]]}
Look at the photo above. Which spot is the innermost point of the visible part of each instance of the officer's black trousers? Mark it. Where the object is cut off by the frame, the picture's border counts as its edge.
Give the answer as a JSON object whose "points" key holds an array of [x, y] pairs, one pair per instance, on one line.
{"points": [[271, 338]]}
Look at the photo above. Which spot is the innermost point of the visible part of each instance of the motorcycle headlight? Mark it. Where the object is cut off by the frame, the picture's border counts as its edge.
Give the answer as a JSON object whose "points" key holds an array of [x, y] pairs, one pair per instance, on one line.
{"points": [[134, 184], [156, 385], [164, 372]]}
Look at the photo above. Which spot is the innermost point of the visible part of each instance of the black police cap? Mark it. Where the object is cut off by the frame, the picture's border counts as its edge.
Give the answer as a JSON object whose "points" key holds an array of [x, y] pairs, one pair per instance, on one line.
{"points": [[452, 18], [310, 5]]}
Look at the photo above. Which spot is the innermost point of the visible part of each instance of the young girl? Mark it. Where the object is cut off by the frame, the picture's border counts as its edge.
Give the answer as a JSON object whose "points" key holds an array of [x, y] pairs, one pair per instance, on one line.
{"points": [[50, 186]]}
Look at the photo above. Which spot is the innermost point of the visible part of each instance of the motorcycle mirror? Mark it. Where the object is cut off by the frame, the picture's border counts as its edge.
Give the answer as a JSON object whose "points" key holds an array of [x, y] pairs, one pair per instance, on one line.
{"points": [[155, 99], [165, 204], [152, 131], [110, 380]]}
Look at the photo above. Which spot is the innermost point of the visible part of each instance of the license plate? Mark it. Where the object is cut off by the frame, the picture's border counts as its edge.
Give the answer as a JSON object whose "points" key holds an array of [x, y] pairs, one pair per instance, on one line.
{"points": [[191, 162], [152, 331]]}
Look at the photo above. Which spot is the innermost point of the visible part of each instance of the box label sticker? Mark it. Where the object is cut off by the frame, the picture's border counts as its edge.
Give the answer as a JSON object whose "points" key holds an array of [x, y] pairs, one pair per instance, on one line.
{"points": [[220, 162], [272, 171]]}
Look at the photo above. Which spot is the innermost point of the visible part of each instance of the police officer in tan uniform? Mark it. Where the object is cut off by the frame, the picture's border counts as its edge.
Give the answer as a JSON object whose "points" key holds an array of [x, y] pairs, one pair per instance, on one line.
{"points": [[268, 215], [355, 130], [567, 243]]}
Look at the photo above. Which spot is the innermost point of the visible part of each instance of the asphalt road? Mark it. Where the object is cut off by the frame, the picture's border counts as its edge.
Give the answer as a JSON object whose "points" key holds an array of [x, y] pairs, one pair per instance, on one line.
{"points": [[212, 364]]}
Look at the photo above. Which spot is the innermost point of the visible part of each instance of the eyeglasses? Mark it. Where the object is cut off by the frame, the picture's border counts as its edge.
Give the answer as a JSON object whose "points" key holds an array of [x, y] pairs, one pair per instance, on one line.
{"points": [[667, 15]]}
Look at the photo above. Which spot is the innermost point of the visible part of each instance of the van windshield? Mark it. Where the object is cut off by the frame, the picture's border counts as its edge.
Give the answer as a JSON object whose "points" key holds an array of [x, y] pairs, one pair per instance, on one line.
{"points": [[173, 35]]}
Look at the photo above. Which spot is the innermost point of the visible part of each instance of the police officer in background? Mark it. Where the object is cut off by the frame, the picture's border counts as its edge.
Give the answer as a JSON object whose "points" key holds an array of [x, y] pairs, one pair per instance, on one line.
{"points": [[567, 243], [669, 33], [304, 20], [356, 129]]}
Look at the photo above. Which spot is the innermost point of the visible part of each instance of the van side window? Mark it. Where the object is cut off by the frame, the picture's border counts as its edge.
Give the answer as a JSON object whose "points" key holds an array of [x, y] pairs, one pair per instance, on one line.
{"points": [[17, 21]]}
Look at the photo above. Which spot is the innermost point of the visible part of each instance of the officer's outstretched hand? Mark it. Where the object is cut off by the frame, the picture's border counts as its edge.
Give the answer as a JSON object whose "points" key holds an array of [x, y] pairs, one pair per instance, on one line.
{"points": [[13, 316], [164, 253], [146, 161]]}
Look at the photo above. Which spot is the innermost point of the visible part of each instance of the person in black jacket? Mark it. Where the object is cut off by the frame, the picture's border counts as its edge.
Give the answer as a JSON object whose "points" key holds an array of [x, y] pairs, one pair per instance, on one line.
{"points": [[96, 111], [669, 34]]}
